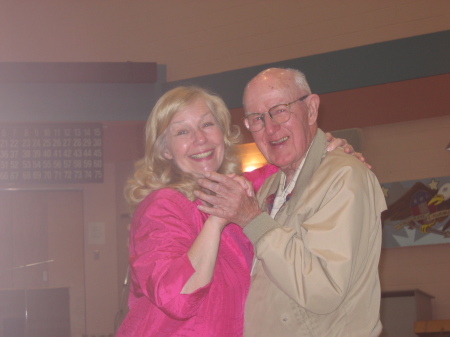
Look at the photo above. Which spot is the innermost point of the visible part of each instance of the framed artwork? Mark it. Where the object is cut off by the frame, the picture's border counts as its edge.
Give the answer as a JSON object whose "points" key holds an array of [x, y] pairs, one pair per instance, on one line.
{"points": [[418, 212]]}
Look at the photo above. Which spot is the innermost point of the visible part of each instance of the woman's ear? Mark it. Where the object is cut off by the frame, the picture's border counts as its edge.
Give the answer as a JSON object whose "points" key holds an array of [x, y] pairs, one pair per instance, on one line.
{"points": [[162, 145], [166, 154]]}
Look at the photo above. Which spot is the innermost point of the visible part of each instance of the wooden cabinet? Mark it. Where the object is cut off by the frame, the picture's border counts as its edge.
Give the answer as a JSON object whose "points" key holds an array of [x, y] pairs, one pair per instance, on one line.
{"points": [[401, 309], [436, 328]]}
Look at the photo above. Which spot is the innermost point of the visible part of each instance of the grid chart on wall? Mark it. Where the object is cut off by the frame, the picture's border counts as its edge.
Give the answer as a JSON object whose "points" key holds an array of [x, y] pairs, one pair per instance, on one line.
{"points": [[33, 153]]}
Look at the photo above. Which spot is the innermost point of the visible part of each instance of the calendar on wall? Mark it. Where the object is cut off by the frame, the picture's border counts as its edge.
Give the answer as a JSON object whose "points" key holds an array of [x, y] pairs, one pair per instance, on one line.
{"points": [[51, 153]]}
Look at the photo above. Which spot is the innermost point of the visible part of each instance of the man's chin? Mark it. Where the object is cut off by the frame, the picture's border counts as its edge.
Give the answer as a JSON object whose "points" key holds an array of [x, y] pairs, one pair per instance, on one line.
{"points": [[278, 161]]}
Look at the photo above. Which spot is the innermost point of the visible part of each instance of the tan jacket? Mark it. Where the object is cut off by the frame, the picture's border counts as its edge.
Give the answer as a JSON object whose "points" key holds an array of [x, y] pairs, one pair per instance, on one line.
{"points": [[316, 272]]}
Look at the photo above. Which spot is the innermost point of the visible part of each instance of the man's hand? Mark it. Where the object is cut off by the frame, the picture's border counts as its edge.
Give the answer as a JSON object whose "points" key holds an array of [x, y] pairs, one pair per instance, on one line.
{"points": [[234, 199]]}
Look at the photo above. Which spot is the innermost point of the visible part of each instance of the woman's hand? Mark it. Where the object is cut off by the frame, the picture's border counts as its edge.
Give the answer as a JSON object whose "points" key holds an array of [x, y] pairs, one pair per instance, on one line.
{"points": [[247, 185], [334, 143], [232, 199]]}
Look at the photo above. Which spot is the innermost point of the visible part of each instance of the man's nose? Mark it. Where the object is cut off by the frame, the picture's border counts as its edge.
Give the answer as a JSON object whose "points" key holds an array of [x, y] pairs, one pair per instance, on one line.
{"points": [[270, 125]]}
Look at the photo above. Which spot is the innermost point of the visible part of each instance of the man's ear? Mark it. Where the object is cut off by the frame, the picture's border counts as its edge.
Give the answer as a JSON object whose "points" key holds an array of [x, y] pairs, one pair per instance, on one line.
{"points": [[313, 108]]}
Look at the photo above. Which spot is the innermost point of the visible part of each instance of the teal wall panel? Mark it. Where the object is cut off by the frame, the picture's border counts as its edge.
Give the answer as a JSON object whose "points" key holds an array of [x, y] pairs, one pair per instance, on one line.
{"points": [[380, 63], [386, 62]]}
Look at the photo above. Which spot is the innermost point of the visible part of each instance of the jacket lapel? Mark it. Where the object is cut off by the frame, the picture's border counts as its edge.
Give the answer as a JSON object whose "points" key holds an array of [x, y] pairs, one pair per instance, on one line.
{"points": [[312, 162]]}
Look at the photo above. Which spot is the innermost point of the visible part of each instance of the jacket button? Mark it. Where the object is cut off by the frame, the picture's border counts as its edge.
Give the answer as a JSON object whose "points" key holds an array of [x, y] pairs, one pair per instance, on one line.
{"points": [[284, 318]]}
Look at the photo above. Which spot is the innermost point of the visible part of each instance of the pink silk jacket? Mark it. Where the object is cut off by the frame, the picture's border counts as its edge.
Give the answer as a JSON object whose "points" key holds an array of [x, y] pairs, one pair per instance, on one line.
{"points": [[163, 229]]}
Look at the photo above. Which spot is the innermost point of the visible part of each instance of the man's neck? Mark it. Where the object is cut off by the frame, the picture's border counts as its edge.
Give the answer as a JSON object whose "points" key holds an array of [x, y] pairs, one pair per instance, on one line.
{"points": [[290, 170], [289, 175], [293, 170]]}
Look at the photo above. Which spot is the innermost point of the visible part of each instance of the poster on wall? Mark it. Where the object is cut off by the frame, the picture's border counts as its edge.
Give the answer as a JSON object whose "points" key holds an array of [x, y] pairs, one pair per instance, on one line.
{"points": [[418, 212], [35, 153]]}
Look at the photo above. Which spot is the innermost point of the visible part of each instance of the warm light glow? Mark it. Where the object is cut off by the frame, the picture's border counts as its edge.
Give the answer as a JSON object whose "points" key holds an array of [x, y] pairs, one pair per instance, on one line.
{"points": [[249, 168], [250, 156]]}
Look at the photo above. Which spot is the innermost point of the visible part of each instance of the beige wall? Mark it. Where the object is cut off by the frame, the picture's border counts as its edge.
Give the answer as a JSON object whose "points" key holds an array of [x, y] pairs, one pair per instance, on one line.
{"points": [[200, 37], [410, 151], [101, 274]]}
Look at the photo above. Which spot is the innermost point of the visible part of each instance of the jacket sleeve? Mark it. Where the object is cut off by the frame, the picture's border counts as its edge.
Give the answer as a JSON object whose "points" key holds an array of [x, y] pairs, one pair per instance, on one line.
{"points": [[160, 238], [323, 249]]}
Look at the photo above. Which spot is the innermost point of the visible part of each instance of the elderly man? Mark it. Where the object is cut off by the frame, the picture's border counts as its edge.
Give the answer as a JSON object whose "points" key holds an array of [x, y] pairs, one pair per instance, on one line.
{"points": [[315, 225]]}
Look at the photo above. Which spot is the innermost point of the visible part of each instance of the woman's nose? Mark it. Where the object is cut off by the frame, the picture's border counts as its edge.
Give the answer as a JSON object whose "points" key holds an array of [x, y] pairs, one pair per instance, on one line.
{"points": [[199, 136]]}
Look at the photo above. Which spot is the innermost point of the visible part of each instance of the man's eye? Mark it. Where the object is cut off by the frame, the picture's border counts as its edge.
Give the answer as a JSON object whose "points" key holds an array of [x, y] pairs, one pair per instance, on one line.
{"points": [[279, 111]]}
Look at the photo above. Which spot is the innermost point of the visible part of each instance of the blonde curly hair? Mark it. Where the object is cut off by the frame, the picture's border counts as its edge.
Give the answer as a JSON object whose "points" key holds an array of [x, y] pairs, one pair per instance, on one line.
{"points": [[153, 171]]}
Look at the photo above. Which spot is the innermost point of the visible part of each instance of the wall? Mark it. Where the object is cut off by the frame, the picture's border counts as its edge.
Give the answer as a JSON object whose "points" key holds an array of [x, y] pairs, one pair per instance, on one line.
{"points": [[101, 259], [409, 151], [200, 37]]}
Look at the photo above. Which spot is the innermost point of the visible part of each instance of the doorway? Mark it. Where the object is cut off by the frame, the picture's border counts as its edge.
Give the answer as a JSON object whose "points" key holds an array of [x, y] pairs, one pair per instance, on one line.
{"points": [[42, 256]]}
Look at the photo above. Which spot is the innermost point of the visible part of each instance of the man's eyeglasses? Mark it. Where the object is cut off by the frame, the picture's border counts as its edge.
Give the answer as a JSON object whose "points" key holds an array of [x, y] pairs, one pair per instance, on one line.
{"points": [[279, 114]]}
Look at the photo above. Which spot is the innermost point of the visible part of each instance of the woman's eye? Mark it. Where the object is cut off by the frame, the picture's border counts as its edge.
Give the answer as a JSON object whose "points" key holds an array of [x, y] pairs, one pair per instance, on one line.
{"points": [[208, 124], [181, 132]]}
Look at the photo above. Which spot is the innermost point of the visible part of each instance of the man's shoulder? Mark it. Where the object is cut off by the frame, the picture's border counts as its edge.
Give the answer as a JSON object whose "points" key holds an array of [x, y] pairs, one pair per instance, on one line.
{"points": [[339, 158], [338, 164]]}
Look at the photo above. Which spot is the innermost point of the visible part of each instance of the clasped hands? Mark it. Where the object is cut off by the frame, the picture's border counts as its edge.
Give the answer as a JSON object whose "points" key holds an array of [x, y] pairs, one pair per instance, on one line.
{"points": [[233, 198]]}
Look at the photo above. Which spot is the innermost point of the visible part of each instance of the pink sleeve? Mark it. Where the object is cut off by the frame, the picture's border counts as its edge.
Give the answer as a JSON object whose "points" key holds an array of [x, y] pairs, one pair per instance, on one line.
{"points": [[161, 234], [258, 176]]}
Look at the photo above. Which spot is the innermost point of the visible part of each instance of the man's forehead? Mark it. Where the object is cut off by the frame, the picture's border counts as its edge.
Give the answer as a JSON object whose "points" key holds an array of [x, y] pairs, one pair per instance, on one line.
{"points": [[270, 91]]}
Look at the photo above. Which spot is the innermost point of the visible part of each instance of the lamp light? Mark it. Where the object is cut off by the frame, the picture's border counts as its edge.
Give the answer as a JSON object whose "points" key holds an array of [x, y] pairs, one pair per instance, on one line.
{"points": [[250, 156]]}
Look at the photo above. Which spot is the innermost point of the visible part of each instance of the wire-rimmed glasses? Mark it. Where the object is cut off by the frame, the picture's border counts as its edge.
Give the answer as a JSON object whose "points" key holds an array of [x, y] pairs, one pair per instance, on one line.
{"points": [[279, 113]]}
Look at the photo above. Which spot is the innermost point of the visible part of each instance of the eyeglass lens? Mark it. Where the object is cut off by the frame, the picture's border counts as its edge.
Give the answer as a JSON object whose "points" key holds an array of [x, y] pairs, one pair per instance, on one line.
{"points": [[279, 114]]}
